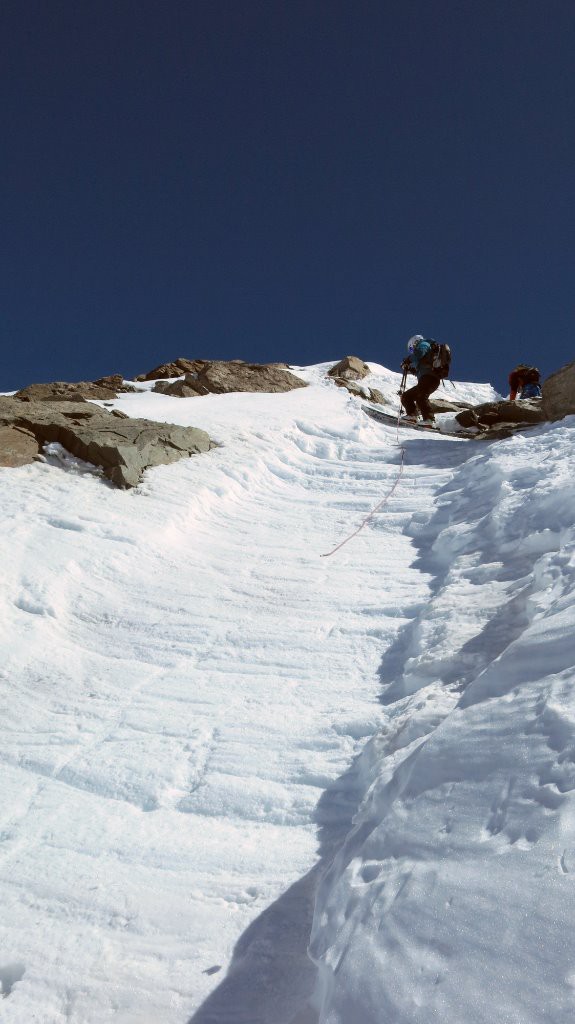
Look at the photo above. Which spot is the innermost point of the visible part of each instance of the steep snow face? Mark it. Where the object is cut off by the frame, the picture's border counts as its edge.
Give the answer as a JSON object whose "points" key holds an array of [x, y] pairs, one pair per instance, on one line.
{"points": [[453, 896], [195, 704]]}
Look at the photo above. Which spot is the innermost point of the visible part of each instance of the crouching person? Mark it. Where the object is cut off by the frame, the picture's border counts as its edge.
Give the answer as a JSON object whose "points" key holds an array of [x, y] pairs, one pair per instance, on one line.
{"points": [[524, 382]]}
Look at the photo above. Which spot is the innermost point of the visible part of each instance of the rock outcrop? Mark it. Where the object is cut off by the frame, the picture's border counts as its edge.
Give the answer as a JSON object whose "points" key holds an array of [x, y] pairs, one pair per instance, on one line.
{"points": [[181, 366], [559, 393], [502, 417], [361, 390], [348, 372], [115, 382], [440, 405], [350, 368], [222, 378], [63, 391], [173, 369], [184, 387], [121, 446], [18, 446]]}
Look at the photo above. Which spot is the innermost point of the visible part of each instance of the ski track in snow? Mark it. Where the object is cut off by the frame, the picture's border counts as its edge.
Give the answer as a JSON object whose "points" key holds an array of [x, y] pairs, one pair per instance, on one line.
{"points": [[193, 741]]}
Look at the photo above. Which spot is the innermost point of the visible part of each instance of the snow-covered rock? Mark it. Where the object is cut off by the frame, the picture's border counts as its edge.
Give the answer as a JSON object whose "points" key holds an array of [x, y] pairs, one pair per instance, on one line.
{"points": [[121, 446]]}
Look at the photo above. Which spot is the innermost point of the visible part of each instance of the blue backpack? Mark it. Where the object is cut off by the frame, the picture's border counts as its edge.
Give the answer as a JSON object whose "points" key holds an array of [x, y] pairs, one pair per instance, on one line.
{"points": [[530, 390]]}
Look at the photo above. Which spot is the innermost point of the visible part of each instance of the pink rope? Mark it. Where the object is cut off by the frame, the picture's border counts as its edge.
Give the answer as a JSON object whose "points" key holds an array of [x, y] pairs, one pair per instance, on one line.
{"points": [[378, 506]]}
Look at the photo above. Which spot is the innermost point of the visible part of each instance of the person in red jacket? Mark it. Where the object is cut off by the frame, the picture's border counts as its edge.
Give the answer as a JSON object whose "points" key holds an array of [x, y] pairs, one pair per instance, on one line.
{"points": [[524, 382]]}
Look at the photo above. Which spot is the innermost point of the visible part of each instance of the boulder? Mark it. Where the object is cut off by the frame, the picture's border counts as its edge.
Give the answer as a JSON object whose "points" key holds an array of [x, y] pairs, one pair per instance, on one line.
{"points": [[121, 446], [175, 369], [350, 368], [361, 390], [559, 393], [185, 387], [504, 412], [439, 405], [376, 397], [18, 446], [221, 378], [115, 382]]}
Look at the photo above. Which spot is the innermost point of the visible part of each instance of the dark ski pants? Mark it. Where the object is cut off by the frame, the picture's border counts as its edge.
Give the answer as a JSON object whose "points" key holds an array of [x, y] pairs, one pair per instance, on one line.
{"points": [[417, 398]]}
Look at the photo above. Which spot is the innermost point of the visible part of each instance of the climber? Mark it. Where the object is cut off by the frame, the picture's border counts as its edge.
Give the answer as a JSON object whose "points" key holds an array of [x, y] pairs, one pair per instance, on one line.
{"points": [[429, 361], [524, 382]]}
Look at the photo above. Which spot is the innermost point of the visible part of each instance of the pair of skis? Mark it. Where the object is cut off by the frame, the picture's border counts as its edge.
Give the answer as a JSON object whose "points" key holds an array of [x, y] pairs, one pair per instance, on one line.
{"points": [[385, 417], [391, 419]]}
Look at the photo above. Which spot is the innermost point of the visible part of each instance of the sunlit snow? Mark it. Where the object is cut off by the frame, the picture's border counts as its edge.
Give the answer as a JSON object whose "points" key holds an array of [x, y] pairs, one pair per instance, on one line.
{"points": [[245, 784]]}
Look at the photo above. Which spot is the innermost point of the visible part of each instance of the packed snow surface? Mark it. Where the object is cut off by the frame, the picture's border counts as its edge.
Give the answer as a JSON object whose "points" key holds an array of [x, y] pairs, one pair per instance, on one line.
{"points": [[246, 784]]}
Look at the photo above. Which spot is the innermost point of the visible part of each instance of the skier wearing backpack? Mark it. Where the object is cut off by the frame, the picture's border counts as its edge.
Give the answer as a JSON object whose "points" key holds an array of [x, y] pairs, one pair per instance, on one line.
{"points": [[524, 380], [429, 361]]}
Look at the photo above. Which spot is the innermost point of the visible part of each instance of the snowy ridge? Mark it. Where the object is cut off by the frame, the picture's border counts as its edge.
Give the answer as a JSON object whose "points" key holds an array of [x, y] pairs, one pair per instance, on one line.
{"points": [[452, 897], [202, 720]]}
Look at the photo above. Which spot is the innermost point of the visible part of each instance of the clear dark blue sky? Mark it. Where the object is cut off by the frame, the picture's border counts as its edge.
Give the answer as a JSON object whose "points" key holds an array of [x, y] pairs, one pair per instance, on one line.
{"points": [[285, 180]]}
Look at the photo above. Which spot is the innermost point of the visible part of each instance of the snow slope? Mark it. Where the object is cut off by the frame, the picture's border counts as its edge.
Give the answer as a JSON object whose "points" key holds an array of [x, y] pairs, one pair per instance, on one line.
{"points": [[215, 743]]}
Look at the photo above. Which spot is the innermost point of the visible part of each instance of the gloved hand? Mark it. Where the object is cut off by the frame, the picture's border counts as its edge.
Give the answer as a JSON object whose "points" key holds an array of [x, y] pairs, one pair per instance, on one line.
{"points": [[406, 365]]}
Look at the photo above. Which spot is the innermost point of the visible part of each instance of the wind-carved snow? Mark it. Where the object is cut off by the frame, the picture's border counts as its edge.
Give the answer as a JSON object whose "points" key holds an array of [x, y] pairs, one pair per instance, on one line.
{"points": [[203, 721], [450, 899]]}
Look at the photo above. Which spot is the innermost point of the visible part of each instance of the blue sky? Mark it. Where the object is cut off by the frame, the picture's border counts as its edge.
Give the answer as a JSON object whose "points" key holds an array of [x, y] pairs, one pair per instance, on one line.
{"points": [[285, 180]]}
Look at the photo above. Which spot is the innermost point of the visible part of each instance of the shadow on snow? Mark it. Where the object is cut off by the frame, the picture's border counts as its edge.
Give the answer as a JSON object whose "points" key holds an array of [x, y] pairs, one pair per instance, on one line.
{"points": [[271, 979]]}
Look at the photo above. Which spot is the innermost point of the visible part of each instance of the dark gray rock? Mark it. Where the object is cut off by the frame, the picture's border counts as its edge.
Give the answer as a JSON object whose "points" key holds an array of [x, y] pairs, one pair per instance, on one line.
{"points": [[559, 393], [18, 446], [468, 418], [507, 413], [350, 368], [121, 446]]}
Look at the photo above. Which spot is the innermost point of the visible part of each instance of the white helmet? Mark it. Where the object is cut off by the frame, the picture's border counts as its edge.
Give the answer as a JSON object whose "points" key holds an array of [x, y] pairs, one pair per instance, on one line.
{"points": [[413, 342]]}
